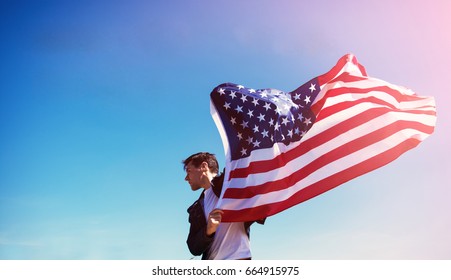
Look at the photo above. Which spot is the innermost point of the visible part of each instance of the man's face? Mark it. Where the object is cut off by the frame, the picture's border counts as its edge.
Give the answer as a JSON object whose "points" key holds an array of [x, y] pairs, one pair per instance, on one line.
{"points": [[194, 176]]}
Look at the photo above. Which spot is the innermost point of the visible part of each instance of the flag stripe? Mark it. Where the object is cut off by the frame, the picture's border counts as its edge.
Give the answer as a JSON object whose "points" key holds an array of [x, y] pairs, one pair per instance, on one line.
{"points": [[318, 175], [302, 160], [325, 159], [255, 212], [339, 68], [319, 139], [347, 84], [324, 172]]}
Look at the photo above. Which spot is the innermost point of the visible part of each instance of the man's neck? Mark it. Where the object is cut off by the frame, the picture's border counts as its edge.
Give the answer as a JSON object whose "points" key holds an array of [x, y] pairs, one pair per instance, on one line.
{"points": [[210, 177]]}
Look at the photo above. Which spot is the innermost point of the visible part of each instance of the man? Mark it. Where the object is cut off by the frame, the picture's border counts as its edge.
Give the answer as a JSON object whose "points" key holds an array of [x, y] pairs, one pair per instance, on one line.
{"points": [[208, 236]]}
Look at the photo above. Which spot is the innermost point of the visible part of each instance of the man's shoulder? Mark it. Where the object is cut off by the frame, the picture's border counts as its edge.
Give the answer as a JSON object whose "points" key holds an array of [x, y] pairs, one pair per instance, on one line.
{"points": [[217, 183], [196, 203]]}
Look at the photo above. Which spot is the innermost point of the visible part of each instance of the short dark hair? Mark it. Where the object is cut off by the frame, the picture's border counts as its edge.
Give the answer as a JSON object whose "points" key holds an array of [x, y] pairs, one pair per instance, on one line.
{"points": [[198, 158]]}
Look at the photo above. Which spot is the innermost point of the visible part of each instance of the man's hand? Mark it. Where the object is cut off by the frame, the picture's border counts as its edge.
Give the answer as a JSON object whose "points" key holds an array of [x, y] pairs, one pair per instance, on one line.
{"points": [[214, 219]]}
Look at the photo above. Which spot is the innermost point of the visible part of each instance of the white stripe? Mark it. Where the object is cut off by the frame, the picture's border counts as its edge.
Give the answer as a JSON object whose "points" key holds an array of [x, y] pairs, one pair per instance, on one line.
{"points": [[263, 154], [220, 127], [225, 143]]}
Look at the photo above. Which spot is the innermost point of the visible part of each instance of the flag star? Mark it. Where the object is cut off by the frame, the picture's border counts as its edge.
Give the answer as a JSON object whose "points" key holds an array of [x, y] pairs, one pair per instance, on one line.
{"points": [[285, 121], [251, 90], [221, 91], [265, 133], [290, 133], [312, 87], [267, 106], [233, 94], [271, 122], [307, 100], [243, 152], [303, 133], [300, 117], [256, 144], [276, 126], [227, 105], [233, 120], [240, 136], [250, 113], [255, 102], [297, 96], [239, 86], [261, 117], [244, 124], [308, 121], [255, 129], [278, 110], [297, 131], [250, 140], [263, 94], [239, 109], [243, 98]]}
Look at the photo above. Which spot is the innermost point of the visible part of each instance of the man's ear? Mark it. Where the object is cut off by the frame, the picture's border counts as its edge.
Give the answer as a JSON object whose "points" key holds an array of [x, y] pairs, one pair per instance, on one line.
{"points": [[204, 166]]}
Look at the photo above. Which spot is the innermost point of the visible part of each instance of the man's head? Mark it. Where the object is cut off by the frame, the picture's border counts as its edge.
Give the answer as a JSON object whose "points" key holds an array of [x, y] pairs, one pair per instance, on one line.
{"points": [[200, 169]]}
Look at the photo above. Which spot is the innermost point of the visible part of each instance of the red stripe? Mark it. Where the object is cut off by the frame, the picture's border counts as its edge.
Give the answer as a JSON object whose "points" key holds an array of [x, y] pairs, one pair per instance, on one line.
{"points": [[325, 159], [326, 77], [361, 67], [352, 90], [347, 78], [329, 111], [385, 89], [263, 211]]}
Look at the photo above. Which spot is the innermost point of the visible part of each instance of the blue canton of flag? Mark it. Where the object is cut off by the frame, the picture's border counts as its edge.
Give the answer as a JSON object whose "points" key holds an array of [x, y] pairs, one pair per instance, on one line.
{"points": [[257, 119]]}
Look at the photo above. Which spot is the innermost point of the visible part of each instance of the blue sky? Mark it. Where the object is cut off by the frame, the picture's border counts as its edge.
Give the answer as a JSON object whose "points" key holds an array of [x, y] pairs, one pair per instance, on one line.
{"points": [[101, 100]]}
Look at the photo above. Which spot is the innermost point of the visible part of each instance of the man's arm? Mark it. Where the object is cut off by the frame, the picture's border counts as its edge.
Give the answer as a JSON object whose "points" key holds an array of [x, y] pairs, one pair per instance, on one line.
{"points": [[198, 240]]}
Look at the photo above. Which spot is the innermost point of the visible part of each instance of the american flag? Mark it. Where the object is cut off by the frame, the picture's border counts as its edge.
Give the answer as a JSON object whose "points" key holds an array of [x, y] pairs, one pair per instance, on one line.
{"points": [[283, 148]]}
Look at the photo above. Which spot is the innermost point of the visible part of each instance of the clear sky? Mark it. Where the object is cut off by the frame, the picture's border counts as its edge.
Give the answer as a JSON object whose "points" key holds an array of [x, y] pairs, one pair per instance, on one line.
{"points": [[101, 100]]}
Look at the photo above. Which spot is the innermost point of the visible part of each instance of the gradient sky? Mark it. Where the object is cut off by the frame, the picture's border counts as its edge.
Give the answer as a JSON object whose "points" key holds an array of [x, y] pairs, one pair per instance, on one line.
{"points": [[101, 100]]}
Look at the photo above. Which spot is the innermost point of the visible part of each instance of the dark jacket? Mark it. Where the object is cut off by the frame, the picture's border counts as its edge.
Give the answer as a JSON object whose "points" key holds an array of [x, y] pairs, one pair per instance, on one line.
{"points": [[198, 241]]}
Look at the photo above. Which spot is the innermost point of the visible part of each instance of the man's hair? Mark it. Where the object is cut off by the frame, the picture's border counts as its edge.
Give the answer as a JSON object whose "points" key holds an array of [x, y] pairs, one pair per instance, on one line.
{"points": [[198, 158]]}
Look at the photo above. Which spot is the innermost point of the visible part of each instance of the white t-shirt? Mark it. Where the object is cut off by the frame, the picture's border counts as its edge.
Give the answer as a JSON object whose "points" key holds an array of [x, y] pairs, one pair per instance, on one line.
{"points": [[231, 241]]}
